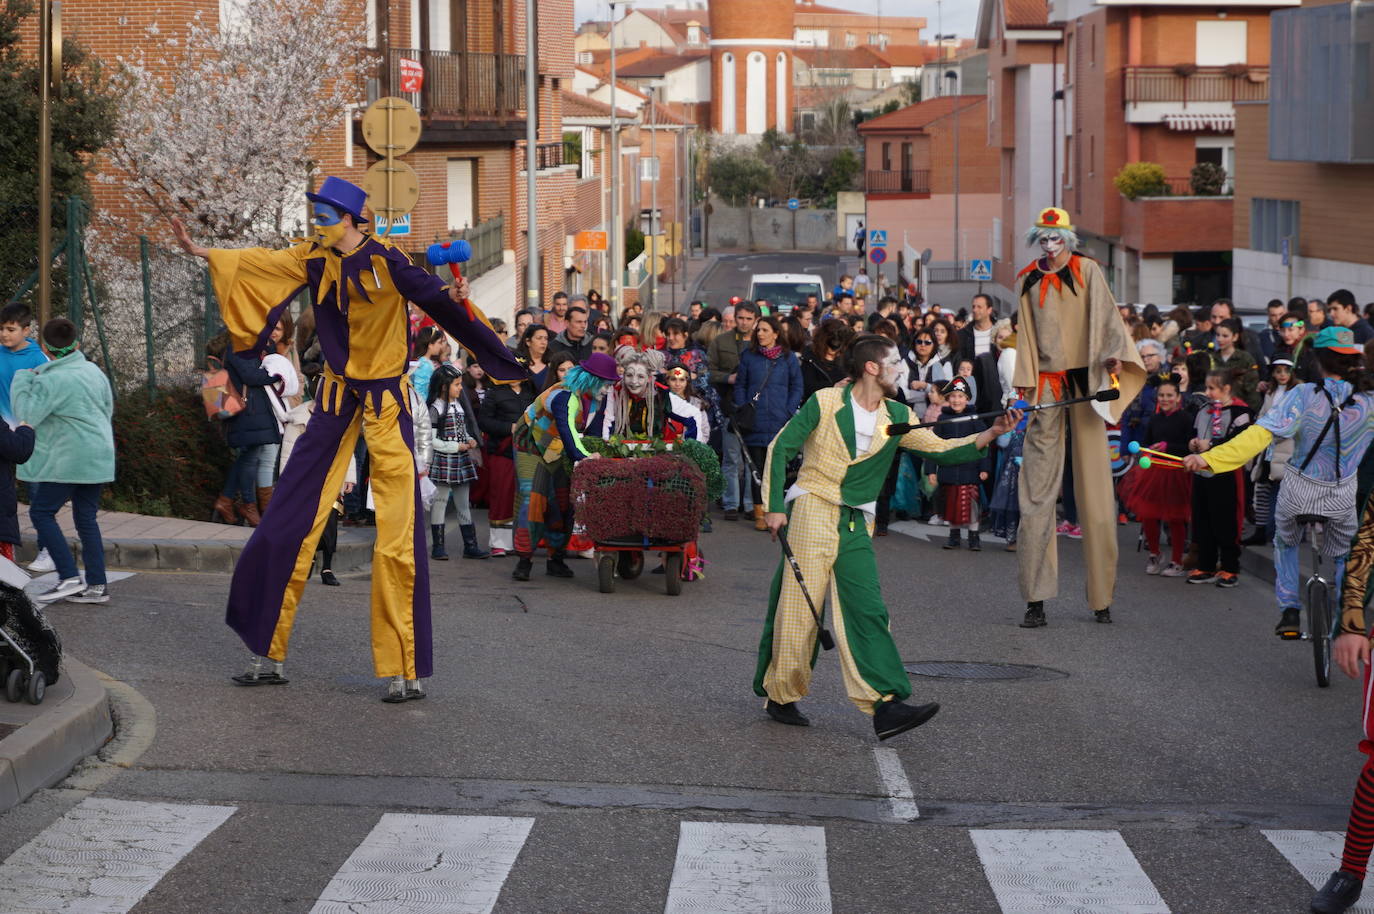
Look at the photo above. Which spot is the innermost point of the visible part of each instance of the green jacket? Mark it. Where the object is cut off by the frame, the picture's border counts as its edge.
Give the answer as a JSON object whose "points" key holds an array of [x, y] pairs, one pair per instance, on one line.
{"points": [[68, 402]]}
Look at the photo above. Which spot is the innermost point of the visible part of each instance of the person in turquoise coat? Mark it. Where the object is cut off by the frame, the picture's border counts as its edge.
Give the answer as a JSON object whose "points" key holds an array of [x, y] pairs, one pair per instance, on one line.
{"points": [[69, 403]]}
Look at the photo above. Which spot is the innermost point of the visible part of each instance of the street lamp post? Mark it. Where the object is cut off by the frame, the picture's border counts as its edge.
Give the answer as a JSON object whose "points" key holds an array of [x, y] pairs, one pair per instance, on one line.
{"points": [[49, 66], [958, 261], [656, 246], [617, 246], [532, 277]]}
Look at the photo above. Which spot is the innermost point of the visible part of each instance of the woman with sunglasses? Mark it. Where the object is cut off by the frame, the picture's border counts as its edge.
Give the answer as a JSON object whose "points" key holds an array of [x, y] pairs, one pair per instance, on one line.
{"points": [[927, 372]]}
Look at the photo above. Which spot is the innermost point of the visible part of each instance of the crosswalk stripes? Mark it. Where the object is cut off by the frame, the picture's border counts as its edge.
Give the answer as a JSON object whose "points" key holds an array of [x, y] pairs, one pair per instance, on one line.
{"points": [[1063, 871], [749, 869], [427, 864], [103, 856], [1316, 854]]}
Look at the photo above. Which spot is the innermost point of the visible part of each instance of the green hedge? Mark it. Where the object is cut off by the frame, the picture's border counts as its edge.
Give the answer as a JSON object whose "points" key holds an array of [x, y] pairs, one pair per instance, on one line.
{"points": [[170, 461]]}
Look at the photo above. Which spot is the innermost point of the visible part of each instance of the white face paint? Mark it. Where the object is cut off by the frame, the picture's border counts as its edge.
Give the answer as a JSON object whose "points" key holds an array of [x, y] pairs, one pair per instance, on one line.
{"points": [[891, 365], [636, 379], [1052, 245]]}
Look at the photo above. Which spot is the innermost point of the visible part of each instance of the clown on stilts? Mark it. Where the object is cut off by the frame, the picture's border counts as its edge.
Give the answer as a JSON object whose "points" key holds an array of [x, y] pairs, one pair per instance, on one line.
{"points": [[359, 285], [1070, 342], [843, 437]]}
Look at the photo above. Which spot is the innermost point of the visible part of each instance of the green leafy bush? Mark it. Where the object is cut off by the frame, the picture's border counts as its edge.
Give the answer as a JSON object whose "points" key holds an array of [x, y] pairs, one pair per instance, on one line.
{"points": [[1208, 179], [1141, 179], [169, 460]]}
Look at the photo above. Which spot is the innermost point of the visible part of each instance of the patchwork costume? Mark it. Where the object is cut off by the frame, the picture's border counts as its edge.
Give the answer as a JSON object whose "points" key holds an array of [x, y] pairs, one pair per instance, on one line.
{"points": [[830, 517], [363, 330], [1068, 327]]}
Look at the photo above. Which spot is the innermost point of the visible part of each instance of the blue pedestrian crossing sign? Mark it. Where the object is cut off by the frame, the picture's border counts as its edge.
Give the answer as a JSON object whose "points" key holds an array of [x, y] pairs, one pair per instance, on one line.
{"points": [[400, 226], [980, 270], [877, 238]]}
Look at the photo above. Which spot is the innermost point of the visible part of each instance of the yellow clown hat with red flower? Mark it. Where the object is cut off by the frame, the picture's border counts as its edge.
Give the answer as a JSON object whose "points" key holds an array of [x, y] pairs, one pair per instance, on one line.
{"points": [[1052, 217]]}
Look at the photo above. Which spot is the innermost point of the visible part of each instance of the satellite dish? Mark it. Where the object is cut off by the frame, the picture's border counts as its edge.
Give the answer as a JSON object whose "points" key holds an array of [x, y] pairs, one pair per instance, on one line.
{"points": [[925, 257]]}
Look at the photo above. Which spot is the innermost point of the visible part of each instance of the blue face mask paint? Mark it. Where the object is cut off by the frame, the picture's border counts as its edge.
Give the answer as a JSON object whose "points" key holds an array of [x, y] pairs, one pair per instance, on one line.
{"points": [[329, 226]]}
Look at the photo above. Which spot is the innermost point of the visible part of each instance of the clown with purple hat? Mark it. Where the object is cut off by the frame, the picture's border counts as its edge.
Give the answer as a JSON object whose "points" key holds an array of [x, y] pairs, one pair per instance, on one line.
{"points": [[360, 285]]}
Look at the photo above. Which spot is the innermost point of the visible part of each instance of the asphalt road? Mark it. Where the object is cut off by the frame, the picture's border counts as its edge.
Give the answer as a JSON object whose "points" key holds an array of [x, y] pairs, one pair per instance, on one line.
{"points": [[610, 720], [729, 275]]}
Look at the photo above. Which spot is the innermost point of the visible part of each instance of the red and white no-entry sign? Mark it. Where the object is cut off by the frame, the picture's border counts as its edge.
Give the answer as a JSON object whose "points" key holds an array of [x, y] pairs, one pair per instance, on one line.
{"points": [[412, 75]]}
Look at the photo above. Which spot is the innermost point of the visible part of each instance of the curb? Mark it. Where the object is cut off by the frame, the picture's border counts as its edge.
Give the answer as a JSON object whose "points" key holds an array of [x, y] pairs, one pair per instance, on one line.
{"points": [[190, 555], [46, 749]]}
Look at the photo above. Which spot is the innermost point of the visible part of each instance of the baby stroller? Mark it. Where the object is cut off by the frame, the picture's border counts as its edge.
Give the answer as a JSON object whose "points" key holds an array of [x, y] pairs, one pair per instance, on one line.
{"points": [[30, 651]]}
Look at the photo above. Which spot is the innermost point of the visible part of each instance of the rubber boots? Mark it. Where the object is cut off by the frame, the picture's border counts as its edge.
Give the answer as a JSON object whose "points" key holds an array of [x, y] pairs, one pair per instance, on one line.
{"points": [[471, 549], [759, 523], [437, 551]]}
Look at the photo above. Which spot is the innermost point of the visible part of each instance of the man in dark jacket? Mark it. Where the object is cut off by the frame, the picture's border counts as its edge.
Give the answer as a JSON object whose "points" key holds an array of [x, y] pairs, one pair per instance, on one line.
{"points": [[574, 340], [722, 360]]}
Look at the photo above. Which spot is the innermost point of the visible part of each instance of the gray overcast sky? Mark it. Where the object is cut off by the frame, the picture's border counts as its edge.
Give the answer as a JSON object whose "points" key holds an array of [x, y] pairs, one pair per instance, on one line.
{"points": [[960, 16]]}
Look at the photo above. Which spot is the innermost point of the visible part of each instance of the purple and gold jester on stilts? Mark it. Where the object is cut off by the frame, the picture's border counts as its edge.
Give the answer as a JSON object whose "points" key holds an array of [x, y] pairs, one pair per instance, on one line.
{"points": [[359, 300]]}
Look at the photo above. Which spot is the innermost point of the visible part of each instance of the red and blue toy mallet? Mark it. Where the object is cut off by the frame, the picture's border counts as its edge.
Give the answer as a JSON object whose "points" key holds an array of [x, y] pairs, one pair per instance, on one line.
{"points": [[1163, 459], [451, 253]]}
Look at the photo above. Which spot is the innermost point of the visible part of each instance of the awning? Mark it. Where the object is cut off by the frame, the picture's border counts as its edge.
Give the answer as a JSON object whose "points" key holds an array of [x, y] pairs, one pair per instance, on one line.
{"points": [[1222, 123]]}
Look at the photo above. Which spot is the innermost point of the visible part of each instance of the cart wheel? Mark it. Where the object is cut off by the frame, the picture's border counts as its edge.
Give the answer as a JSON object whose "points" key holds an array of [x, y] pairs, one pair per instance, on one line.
{"points": [[672, 573], [14, 685], [38, 685], [605, 573], [630, 564]]}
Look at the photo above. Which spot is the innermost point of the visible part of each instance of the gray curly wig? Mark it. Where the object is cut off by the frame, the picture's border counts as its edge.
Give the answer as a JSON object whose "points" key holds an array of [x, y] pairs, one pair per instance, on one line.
{"points": [[1036, 233]]}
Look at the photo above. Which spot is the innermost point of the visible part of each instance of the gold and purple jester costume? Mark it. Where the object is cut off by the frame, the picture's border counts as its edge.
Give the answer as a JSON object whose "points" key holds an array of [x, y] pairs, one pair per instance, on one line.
{"points": [[361, 317]]}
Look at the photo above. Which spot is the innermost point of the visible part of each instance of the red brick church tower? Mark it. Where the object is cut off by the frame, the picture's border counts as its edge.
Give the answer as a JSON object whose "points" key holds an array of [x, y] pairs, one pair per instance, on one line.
{"points": [[751, 65]]}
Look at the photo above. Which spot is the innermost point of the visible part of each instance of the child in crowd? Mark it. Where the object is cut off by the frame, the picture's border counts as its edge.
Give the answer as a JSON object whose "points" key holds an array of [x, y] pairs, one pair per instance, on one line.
{"points": [[68, 401], [959, 484], [451, 465], [1269, 467], [1004, 508], [964, 369], [679, 381], [1161, 494], [18, 352], [1218, 501]]}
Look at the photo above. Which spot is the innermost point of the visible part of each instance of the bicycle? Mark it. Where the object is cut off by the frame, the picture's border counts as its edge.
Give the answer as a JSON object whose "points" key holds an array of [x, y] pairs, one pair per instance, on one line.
{"points": [[1319, 600]]}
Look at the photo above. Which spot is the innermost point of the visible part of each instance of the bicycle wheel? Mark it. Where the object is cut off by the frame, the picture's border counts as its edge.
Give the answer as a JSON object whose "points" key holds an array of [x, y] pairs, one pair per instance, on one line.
{"points": [[1319, 628]]}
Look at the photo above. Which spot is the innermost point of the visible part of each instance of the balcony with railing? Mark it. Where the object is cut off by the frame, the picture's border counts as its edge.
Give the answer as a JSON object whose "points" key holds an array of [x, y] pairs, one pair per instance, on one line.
{"points": [[905, 181], [1192, 98], [548, 155], [461, 86]]}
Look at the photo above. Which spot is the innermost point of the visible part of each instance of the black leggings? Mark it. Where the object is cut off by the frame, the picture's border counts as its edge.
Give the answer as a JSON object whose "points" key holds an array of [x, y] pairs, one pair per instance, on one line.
{"points": [[758, 454], [1215, 527], [329, 541]]}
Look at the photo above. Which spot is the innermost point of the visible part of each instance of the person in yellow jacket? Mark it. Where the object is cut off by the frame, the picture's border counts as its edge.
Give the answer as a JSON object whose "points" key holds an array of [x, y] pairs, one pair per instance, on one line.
{"points": [[843, 437], [360, 285]]}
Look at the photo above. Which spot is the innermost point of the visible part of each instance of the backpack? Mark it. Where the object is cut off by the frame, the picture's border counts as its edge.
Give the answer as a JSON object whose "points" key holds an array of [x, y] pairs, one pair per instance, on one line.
{"points": [[221, 398]]}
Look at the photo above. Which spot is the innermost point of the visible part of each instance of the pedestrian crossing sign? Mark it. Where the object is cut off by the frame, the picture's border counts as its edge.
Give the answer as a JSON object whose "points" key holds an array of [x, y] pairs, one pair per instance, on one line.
{"points": [[980, 270], [877, 238], [391, 228]]}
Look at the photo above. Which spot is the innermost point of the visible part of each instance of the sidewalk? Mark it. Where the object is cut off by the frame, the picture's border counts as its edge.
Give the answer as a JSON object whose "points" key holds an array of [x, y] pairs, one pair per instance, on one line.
{"points": [[176, 544], [41, 744]]}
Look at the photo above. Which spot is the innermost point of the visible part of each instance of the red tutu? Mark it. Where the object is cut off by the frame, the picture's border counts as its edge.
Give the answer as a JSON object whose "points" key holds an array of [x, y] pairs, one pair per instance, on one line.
{"points": [[1158, 493]]}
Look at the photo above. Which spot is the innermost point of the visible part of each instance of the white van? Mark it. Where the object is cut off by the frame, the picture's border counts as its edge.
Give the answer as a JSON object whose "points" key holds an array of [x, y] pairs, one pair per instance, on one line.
{"points": [[783, 290]]}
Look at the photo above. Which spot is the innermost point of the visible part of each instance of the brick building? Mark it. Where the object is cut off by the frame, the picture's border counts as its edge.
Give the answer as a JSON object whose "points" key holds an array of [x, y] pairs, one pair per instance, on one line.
{"points": [[1307, 170], [751, 65], [909, 184], [471, 156]]}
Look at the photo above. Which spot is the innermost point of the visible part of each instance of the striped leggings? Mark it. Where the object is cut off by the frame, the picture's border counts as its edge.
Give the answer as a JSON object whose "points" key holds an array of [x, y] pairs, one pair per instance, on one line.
{"points": [[1359, 834]]}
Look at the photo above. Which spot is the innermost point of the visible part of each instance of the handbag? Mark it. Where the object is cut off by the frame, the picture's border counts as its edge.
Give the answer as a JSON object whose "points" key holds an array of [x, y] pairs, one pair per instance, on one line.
{"points": [[746, 415], [220, 397]]}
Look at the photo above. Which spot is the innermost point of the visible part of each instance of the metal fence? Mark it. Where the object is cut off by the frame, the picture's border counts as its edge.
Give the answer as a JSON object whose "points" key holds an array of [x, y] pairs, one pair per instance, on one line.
{"points": [[488, 240], [1204, 84], [461, 85]]}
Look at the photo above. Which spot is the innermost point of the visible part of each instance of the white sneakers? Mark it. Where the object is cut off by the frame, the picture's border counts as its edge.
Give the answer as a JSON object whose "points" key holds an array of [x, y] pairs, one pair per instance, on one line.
{"points": [[1175, 570], [1155, 565], [42, 563], [95, 593]]}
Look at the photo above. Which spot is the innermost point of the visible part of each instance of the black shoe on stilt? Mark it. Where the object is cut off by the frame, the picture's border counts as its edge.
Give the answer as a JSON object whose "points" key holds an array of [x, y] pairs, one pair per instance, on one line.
{"points": [[786, 714], [893, 717], [1339, 894], [1035, 615], [1103, 615], [327, 578], [522, 569], [556, 567]]}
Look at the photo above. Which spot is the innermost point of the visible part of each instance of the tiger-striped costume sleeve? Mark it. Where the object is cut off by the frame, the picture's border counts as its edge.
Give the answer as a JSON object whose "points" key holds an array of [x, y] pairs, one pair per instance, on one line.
{"points": [[1357, 568]]}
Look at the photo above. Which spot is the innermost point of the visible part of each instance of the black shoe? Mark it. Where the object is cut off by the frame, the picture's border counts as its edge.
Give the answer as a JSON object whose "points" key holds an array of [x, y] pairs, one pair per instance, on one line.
{"points": [[953, 540], [787, 714], [555, 567], [1290, 624], [1035, 615], [893, 717], [522, 569], [1103, 615], [437, 551], [327, 578], [730, 514], [1341, 891], [471, 549], [974, 544]]}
